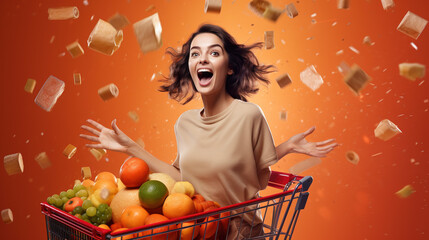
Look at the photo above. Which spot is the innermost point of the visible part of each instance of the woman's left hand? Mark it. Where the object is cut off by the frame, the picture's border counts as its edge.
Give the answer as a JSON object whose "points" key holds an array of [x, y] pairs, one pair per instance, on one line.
{"points": [[298, 144]]}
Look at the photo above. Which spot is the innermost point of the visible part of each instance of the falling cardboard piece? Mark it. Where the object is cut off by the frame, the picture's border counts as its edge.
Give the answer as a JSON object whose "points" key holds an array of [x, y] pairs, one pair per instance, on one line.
{"points": [[63, 13], [108, 92], [283, 115], [118, 21], [104, 38], [97, 153], [412, 25], [148, 32], [259, 6], [386, 130], [342, 4], [412, 71], [405, 191], [356, 79], [387, 4], [213, 6], [49, 93], [269, 39], [367, 41], [13, 164], [344, 68], [291, 10], [75, 49], [7, 215], [77, 79], [311, 78], [30, 85], [304, 165], [283, 80], [69, 151], [272, 13], [43, 160], [352, 157], [134, 116], [86, 172]]}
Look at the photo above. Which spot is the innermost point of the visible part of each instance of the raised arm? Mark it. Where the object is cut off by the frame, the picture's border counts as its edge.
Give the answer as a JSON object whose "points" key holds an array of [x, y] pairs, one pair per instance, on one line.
{"points": [[116, 140], [298, 144]]}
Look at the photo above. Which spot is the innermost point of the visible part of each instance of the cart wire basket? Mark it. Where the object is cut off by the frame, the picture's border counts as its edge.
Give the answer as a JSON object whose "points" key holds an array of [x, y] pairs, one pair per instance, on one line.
{"points": [[269, 217]]}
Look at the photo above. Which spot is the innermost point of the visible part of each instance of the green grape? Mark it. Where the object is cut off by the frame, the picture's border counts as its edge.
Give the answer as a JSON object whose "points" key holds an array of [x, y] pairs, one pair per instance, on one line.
{"points": [[109, 210], [87, 220], [86, 204], [103, 207], [56, 196], [78, 210], [58, 203], [70, 193], [108, 217], [82, 193], [91, 211], [84, 198], [64, 199], [97, 220], [78, 215], [85, 216], [50, 200], [63, 194], [78, 187]]}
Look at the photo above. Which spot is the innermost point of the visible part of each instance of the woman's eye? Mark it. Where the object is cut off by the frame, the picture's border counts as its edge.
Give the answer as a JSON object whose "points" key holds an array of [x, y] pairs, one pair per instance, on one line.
{"points": [[215, 53], [194, 54]]}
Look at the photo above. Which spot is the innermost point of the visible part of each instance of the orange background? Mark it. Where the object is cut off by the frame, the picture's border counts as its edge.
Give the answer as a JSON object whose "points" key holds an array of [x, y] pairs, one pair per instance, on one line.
{"points": [[346, 201]]}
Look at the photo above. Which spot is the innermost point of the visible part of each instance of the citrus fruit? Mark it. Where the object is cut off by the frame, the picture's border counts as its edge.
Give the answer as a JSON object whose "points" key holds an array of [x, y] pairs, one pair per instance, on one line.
{"points": [[208, 229], [129, 236], [123, 199], [134, 172], [152, 194], [106, 176], [104, 226], [178, 205], [133, 216], [156, 218], [189, 233], [164, 178], [184, 187]]}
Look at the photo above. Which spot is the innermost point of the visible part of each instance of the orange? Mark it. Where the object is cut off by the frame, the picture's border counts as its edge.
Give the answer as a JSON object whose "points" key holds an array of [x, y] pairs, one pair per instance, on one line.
{"points": [[156, 218], [109, 185], [104, 226], [115, 226], [106, 176], [208, 229], [134, 172], [130, 236], [189, 233], [152, 194], [88, 183], [133, 216], [178, 205]]}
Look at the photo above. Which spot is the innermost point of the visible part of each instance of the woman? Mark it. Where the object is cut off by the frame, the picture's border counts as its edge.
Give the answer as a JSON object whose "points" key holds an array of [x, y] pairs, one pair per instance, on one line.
{"points": [[226, 148]]}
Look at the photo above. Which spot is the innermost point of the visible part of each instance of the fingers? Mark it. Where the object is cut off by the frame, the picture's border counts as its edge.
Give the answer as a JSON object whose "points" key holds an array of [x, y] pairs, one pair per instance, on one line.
{"points": [[91, 130], [309, 131], [94, 146], [318, 144], [90, 138], [333, 145], [95, 124], [115, 127]]}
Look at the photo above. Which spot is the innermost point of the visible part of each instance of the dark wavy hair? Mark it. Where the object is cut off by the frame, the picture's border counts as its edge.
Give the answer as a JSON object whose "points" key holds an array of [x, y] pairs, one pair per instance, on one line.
{"points": [[243, 62]]}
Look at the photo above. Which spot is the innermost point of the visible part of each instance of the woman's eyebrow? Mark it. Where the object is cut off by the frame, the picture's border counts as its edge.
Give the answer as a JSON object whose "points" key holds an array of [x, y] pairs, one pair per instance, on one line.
{"points": [[211, 46]]}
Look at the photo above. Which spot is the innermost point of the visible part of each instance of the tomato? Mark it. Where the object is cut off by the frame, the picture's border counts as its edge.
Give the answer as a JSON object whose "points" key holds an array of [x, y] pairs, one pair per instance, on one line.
{"points": [[134, 172], [72, 203]]}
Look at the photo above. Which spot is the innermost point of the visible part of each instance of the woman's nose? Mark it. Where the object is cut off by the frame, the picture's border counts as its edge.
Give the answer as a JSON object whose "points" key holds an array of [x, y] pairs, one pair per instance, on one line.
{"points": [[203, 58]]}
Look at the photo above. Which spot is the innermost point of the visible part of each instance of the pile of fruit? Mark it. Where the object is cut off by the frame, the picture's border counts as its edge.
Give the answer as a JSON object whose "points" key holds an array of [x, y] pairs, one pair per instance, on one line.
{"points": [[135, 199]]}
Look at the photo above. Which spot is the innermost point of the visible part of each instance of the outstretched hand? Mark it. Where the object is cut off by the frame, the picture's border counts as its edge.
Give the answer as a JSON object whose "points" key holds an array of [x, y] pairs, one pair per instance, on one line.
{"points": [[299, 144], [114, 140]]}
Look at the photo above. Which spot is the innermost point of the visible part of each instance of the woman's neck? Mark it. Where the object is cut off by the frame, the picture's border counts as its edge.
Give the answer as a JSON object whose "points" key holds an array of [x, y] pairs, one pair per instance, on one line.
{"points": [[216, 104]]}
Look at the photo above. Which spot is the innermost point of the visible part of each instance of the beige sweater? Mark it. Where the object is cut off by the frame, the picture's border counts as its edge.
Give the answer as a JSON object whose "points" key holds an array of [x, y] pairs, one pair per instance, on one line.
{"points": [[226, 156]]}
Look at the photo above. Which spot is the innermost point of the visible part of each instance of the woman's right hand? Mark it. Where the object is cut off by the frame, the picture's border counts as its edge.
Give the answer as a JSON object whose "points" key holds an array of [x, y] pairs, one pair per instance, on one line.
{"points": [[114, 140]]}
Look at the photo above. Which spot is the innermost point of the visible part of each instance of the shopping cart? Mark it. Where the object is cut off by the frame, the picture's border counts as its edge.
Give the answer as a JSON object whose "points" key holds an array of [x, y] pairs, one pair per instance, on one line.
{"points": [[279, 213]]}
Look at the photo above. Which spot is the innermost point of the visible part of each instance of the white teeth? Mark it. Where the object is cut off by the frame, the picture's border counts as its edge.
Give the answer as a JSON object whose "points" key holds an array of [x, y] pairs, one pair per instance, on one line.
{"points": [[204, 70]]}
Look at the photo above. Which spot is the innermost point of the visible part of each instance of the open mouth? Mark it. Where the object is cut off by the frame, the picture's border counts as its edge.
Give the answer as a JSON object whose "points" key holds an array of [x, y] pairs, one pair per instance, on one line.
{"points": [[205, 75]]}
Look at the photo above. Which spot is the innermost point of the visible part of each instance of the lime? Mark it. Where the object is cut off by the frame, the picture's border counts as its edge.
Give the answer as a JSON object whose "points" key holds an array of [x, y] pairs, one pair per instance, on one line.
{"points": [[152, 194]]}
